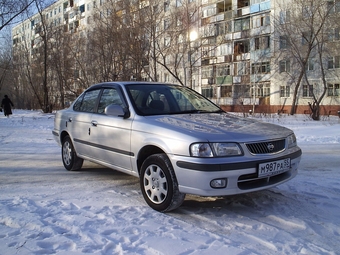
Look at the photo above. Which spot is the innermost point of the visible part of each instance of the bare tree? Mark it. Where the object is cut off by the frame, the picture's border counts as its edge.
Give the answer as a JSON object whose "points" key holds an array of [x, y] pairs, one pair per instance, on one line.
{"points": [[175, 47], [326, 47], [300, 30], [6, 68], [11, 9], [32, 62], [114, 43], [61, 74]]}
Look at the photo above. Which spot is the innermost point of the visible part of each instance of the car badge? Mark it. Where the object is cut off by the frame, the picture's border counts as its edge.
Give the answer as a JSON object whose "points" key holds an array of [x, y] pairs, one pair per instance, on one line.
{"points": [[270, 146]]}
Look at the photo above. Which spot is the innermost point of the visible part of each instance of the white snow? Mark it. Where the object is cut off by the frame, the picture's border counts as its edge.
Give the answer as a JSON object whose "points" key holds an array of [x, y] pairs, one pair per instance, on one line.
{"points": [[45, 209]]}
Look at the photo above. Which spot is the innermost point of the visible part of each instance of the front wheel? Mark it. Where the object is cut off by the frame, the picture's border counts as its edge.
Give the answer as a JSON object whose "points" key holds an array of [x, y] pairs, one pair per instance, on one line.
{"points": [[159, 184], [70, 159]]}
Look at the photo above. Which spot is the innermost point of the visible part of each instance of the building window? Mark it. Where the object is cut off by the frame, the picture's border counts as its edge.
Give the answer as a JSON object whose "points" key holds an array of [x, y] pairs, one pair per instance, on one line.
{"points": [[260, 68], [242, 68], [333, 90], [167, 59], [223, 70], [242, 91], [257, 43], [284, 42], [241, 47], [262, 42], [284, 66], [209, 30], [208, 92], [179, 21], [284, 91], [284, 17], [334, 34], [166, 6], [209, 11], [166, 24], [224, 49], [310, 65], [167, 41], [306, 38], [82, 8], [226, 91], [260, 21], [333, 6], [307, 11], [334, 62], [220, 28], [180, 38], [264, 90], [207, 72], [166, 77], [307, 90], [242, 24]]}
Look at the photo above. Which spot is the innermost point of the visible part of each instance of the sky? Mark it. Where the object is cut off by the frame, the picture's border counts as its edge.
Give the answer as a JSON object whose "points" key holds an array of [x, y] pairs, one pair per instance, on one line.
{"points": [[45, 209]]}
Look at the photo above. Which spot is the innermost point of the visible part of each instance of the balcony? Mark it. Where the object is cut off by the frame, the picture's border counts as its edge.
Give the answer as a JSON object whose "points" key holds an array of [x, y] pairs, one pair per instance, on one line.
{"points": [[243, 11]]}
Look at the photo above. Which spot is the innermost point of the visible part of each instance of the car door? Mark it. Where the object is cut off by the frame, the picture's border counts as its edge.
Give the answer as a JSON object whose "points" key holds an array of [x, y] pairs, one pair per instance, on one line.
{"points": [[111, 134], [79, 121]]}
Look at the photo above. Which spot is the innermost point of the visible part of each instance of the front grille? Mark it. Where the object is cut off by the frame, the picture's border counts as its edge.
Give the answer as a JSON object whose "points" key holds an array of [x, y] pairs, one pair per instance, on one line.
{"points": [[266, 147], [251, 181]]}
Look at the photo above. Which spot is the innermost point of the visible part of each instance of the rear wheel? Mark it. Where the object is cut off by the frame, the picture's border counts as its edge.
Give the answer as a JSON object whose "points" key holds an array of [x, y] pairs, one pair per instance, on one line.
{"points": [[70, 159], [159, 184]]}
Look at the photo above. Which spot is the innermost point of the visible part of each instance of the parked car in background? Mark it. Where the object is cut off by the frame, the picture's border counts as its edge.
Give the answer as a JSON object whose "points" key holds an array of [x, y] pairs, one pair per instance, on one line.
{"points": [[175, 141]]}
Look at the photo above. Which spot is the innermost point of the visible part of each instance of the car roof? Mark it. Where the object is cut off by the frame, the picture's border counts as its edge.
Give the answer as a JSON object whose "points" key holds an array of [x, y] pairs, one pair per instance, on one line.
{"points": [[124, 83]]}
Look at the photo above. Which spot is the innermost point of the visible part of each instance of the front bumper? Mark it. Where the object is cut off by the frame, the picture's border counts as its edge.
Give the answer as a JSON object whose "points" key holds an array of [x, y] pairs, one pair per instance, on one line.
{"points": [[194, 176]]}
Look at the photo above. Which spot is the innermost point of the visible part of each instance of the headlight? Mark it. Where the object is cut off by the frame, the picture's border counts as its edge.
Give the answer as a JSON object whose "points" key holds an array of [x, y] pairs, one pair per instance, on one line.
{"points": [[215, 149], [201, 150], [227, 149], [291, 141]]}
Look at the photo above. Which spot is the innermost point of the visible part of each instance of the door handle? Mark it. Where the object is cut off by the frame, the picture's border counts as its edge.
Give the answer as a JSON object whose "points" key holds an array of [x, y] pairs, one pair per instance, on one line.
{"points": [[70, 119], [94, 123]]}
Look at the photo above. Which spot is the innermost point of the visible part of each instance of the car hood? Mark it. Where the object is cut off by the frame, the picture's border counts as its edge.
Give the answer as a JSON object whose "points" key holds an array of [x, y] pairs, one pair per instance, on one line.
{"points": [[211, 126]]}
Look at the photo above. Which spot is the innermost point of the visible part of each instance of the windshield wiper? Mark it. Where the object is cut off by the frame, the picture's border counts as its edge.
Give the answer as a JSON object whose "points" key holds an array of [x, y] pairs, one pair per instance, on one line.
{"points": [[197, 111]]}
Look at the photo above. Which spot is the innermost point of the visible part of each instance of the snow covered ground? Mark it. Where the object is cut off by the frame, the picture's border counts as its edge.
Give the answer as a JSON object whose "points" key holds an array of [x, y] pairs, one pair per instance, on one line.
{"points": [[45, 209]]}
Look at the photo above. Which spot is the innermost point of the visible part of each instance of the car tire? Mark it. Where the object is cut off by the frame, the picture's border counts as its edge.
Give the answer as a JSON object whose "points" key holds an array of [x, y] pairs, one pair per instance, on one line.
{"points": [[159, 184], [69, 156]]}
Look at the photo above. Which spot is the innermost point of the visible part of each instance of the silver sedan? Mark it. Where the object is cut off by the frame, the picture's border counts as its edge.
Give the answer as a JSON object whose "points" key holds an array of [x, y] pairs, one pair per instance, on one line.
{"points": [[175, 141]]}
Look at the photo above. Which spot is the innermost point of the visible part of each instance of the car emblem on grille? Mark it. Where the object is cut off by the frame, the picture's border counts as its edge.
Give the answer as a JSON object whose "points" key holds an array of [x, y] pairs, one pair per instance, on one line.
{"points": [[270, 146]]}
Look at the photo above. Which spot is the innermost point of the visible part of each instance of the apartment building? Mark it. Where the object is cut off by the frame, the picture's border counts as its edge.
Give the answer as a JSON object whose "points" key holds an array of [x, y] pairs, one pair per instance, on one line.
{"points": [[243, 60]]}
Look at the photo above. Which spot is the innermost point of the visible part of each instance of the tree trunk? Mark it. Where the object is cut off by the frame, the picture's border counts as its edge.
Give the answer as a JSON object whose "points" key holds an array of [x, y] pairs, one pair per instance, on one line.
{"points": [[296, 90]]}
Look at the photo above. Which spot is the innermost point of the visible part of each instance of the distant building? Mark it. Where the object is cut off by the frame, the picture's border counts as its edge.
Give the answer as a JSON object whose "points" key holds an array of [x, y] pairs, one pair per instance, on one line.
{"points": [[237, 57]]}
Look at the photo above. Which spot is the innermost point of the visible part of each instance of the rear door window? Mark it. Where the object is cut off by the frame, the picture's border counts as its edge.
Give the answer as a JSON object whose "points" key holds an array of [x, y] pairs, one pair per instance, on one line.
{"points": [[87, 102]]}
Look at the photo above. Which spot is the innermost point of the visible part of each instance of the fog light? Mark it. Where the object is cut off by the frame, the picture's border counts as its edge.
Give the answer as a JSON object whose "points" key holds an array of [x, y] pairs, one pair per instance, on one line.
{"points": [[218, 183]]}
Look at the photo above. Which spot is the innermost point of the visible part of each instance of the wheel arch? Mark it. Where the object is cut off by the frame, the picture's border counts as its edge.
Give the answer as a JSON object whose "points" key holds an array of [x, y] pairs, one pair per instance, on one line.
{"points": [[145, 152], [63, 135]]}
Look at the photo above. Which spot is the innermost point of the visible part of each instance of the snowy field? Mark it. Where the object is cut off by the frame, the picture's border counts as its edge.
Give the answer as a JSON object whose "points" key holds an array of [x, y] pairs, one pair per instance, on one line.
{"points": [[45, 209]]}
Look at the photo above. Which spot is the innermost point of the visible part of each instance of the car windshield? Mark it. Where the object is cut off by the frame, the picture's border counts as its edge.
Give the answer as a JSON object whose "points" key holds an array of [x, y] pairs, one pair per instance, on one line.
{"points": [[158, 99]]}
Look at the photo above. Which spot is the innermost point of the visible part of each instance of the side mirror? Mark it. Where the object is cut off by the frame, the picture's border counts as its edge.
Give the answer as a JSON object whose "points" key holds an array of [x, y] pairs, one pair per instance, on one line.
{"points": [[117, 110]]}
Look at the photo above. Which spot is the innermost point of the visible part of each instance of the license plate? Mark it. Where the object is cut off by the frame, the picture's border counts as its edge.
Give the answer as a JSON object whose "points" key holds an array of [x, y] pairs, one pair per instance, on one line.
{"points": [[274, 167]]}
